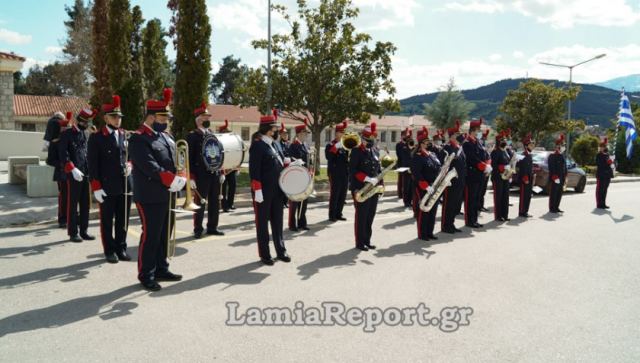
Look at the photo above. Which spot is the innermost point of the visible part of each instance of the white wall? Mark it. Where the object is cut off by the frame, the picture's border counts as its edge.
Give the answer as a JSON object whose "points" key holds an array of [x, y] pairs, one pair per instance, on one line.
{"points": [[21, 143]]}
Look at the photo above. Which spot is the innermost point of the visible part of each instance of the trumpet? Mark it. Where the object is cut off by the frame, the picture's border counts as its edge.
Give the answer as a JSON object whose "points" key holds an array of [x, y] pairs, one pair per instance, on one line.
{"points": [[182, 167]]}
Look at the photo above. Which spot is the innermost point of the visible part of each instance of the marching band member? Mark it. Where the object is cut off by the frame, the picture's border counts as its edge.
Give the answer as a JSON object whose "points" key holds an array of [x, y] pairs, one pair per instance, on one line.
{"points": [[109, 171], [56, 124], [557, 175], [265, 165], [338, 172], [478, 167], [298, 150], [604, 173], [401, 146], [500, 163], [452, 200], [73, 157], [425, 168], [364, 166], [152, 153], [206, 183], [229, 184], [282, 144], [436, 146], [404, 154], [485, 181], [525, 176]]}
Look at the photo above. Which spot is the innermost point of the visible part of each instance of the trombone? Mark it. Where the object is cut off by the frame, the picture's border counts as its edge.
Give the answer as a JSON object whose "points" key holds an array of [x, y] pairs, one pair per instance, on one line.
{"points": [[182, 167]]}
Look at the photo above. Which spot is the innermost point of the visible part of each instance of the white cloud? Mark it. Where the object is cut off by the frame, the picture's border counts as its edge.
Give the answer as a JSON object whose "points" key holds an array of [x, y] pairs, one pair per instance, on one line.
{"points": [[12, 37], [30, 62], [53, 50], [518, 54], [495, 57], [385, 14], [559, 13]]}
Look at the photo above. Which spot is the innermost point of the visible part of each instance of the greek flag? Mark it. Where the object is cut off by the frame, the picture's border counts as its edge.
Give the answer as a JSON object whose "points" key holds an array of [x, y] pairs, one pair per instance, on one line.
{"points": [[625, 119]]}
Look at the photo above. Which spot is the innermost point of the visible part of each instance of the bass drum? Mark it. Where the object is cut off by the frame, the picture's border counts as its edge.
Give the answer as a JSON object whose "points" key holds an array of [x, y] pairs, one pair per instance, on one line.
{"points": [[296, 182], [223, 151]]}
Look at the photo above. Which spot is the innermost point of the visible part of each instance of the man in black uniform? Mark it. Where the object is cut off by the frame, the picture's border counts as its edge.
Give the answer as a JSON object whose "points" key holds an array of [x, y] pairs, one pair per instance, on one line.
{"points": [[452, 198], [229, 184], [72, 152], [152, 152], [436, 146], [299, 151], [485, 181], [525, 176], [265, 164], [557, 175], [56, 124], [478, 167], [282, 145], [425, 168], [404, 154], [109, 171], [400, 146], [499, 164], [338, 172], [604, 174], [205, 182], [364, 167]]}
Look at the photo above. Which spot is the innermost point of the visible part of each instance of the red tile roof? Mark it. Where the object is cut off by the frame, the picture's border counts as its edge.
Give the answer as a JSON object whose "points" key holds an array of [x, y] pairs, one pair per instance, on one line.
{"points": [[28, 105], [12, 56]]}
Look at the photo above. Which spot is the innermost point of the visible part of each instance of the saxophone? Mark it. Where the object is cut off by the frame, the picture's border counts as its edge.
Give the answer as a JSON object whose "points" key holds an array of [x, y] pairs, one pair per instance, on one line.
{"points": [[369, 189], [506, 175], [443, 180]]}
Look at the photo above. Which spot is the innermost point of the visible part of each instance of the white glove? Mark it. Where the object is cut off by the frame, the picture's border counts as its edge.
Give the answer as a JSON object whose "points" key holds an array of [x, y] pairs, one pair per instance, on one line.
{"points": [[45, 146], [77, 174], [488, 169], [258, 196], [338, 145], [222, 178], [430, 189], [507, 168], [99, 195], [557, 181], [193, 184], [128, 169], [287, 161], [177, 184], [298, 162], [371, 180], [459, 152]]}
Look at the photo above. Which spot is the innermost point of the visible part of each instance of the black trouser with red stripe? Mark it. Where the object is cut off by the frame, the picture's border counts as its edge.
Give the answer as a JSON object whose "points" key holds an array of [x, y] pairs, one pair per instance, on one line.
{"points": [[112, 208], [229, 190], [555, 195], [526, 191], [500, 198], [152, 251], [365, 213], [426, 220], [77, 206], [337, 195], [269, 212], [62, 202], [297, 214], [407, 190], [602, 186], [482, 192], [209, 188], [471, 201], [451, 205]]}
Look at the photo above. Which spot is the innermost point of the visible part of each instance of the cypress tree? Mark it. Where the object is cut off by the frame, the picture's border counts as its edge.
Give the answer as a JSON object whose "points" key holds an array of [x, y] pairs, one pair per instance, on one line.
{"points": [[155, 64], [101, 85]]}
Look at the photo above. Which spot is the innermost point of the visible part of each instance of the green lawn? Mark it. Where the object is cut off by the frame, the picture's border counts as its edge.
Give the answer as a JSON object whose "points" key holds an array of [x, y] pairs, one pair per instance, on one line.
{"points": [[243, 177]]}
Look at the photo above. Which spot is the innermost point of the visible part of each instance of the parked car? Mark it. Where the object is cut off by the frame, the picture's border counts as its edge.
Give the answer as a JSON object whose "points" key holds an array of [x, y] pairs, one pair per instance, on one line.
{"points": [[576, 177]]}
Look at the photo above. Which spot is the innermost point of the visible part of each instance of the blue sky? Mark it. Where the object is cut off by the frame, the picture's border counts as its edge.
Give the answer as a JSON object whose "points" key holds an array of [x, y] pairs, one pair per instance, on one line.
{"points": [[474, 41]]}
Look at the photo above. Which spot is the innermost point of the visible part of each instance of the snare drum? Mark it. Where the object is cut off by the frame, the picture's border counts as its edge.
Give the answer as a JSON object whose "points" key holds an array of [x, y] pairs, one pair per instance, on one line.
{"points": [[223, 151], [296, 182]]}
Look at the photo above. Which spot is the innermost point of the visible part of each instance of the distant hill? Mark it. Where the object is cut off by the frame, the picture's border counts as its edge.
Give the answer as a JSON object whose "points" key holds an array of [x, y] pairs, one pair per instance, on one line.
{"points": [[595, 105], [629, 83]]}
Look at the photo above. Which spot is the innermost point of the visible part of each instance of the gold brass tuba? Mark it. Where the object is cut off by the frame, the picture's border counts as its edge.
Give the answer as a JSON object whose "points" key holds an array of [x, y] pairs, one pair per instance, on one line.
{"points": [[350, 140]]}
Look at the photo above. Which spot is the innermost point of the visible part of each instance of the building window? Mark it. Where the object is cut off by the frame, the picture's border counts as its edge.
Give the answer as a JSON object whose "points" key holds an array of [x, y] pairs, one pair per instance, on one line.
{"points": [[394, 136], [29, 127], [383, 136], [327, 135], [245, 133]]}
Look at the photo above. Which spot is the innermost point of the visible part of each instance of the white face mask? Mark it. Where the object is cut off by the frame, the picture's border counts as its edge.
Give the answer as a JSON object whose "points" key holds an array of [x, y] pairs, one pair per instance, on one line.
{"points": [[509, 142], [562, 149], [479, 135], [438, 143]]}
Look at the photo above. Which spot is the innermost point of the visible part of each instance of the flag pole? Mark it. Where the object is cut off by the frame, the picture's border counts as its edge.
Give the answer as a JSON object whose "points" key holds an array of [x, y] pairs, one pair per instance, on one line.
{"points": [[615, 142]]}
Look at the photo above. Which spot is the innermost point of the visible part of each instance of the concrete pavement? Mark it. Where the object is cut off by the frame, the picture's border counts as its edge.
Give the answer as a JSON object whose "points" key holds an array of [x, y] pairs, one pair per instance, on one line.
{"points": [[549, 289]]}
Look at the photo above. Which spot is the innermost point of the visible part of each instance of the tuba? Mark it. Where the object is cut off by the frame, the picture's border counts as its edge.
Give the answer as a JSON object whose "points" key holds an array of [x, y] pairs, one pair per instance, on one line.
{"points": [[350, 140], [443, 180]]}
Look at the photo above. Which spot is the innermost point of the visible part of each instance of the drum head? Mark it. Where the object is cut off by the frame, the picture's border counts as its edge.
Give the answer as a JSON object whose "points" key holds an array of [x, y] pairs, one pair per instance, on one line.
{"points": [[212, 153], [294, 180]]}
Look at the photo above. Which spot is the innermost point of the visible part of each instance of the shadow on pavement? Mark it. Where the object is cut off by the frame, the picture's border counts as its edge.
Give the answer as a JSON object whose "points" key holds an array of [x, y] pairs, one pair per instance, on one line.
{"points": [[29, 250], [600, 212], [551, 216], [400, 223], [70, 312], [239, 275], [64, 274], [342, 259], [414, 247]]}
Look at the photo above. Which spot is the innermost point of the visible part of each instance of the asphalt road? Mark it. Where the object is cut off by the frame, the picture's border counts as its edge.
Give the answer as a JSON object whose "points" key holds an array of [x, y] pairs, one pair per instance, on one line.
{"points": [[548, 289]]}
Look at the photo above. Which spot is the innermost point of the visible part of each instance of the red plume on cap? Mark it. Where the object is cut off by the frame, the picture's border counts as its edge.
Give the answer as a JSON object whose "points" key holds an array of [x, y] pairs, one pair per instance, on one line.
{"points": [[224, 127], [115, 101], [423, 134], [560, 139], [69, 115], [374, 126], [604, 142], [527, 139], [166, 95], [275, 113]]}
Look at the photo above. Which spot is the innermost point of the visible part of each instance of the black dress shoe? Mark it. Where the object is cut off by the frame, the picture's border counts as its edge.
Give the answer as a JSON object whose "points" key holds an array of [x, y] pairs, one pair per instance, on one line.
{"points": [[305, 228], [168, 276], [449, 231], [284, 258], [151, 285], [553, 211], [560, 211], [362, 248], [87, 237], [267, 261], [75, 238], [293, 229], [476, 225], [460, 214], [342, 219], [123, 256], [225, 210], [506, 219], [232, 207], [332, 220], [371, 247], [62, 225], [606, 207], [457, 230], [483, 209], [215, 232], [432, 236], [112, 258]]}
